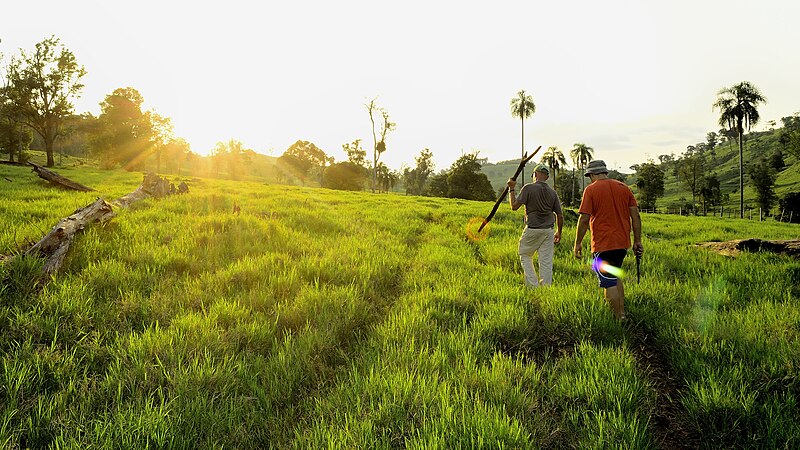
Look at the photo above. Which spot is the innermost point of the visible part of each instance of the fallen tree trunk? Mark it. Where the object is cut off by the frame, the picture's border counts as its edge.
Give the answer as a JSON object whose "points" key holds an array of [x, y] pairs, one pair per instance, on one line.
{"points": [[58, 179], [152, 186], [789, 247], [55, 244]]}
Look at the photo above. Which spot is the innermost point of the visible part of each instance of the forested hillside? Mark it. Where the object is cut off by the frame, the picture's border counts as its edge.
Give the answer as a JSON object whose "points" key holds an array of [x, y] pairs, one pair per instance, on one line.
{"points": [[772, 148]]}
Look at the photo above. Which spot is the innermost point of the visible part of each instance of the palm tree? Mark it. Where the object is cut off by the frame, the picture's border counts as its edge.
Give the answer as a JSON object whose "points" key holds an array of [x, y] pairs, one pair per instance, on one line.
{"points": [[554, 158], [738, 109], [581, 154], [522, 106]]}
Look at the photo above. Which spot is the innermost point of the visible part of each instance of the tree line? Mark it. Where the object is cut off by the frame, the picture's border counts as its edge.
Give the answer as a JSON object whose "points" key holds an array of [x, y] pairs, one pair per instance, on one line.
{"points": [[39, 88], [37, 96], [696, 168]]}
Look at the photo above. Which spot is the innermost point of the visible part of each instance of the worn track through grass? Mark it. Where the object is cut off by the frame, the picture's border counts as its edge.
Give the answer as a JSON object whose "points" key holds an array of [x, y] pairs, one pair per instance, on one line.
{"points": [[667, 425]]}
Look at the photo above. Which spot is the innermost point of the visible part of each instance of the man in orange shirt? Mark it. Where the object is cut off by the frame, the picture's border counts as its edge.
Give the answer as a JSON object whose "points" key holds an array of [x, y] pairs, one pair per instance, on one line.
{"points": [[609, 210]]}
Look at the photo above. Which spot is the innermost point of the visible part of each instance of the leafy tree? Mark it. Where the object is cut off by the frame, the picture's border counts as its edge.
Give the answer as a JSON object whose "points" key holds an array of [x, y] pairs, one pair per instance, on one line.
{"points": [[762, 177], [303, 156], [776, 160], [790, 135], [566, 186], [378, 146], [162, 134], [710, 191], [711, 143], [463, 179], [616, 175], [466, 180], [232, 155], [416, 178], [522, 106], [175, 153], [387, 178], [123, 133], [711, 140], [355, 154], [581, 154], [346, 176], [15, 137], [438, 186], [77, 140], [666, 159], [650, 181], [738, 106], [690, 169], [42, 86], [554, 158]]}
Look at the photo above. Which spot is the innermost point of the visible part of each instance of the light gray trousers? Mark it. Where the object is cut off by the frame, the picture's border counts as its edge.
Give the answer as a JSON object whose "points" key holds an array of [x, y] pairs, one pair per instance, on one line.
{"points": [[541, 242]]}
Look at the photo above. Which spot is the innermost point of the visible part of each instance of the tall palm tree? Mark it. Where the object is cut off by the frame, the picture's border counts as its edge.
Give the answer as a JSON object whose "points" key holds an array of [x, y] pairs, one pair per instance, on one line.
{"points": [[738, 109], [581, 154], [554, 158], [522, 106]]}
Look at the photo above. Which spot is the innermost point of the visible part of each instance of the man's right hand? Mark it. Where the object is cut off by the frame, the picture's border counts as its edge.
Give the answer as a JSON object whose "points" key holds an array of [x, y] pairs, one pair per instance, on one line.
{"points": [[577, 251], [638, 249], [511, 183]]}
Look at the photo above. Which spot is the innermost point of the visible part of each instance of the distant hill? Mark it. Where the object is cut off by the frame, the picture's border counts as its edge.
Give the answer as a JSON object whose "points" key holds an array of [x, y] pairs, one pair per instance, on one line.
{"points": [[724, 162]]}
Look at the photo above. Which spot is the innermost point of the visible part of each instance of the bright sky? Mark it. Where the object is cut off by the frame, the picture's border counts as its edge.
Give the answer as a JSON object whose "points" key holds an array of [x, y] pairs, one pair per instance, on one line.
{"points": [[633, 79]]}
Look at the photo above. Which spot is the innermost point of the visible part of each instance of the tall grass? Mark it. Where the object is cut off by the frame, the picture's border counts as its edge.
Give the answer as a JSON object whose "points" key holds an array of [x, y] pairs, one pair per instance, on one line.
{"points": [[316, 318]]}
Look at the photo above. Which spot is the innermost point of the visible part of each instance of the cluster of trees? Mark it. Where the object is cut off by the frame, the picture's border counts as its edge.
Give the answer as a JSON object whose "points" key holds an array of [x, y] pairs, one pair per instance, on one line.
{"points": [[36, 102], [36, 108], [463, 179], [694, 169], [36, 96]]}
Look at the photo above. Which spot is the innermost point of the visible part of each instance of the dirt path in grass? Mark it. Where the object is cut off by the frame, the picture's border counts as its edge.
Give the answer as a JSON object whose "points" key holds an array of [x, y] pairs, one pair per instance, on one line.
{"points": [[667, 424]]}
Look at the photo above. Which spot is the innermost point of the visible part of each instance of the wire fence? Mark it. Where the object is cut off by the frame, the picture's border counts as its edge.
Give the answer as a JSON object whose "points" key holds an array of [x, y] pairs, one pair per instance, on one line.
{"points": [[783, 215]]}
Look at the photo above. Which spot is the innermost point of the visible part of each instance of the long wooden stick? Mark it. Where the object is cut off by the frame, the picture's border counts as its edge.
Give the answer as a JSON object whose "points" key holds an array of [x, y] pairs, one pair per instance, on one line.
{"points": [[505, 191]]}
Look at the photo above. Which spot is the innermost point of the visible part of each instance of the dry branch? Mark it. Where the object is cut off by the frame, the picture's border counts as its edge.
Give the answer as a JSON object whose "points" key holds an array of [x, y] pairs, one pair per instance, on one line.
{"points": [[58, 179]]}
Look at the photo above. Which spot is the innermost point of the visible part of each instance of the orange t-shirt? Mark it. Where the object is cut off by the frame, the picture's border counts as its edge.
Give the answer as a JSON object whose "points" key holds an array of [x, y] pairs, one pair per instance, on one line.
{"points": [[608, 203]]}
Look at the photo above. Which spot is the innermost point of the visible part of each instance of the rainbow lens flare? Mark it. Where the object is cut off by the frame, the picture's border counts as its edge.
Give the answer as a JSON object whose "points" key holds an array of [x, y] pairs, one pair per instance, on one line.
{"points": [[604, 267], [472, 229]]}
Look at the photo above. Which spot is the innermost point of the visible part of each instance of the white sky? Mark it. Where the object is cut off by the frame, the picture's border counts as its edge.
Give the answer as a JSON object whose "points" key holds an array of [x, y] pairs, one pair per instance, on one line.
{"points": [[632, 79]]}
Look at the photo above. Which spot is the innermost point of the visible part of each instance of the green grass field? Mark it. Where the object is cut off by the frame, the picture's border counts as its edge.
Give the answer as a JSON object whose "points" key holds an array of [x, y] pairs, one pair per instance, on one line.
{"points": [[325, 319]]}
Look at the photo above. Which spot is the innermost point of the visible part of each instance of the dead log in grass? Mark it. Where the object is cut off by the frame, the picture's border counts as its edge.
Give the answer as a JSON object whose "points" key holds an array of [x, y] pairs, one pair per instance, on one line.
{"points": [[55, 244], [59, 180], [789, 247]]}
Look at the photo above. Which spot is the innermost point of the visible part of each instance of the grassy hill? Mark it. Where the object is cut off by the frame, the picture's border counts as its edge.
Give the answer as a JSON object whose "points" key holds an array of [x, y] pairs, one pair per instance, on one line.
{"points": [[324, 319], [758, 145], [725, 164]]}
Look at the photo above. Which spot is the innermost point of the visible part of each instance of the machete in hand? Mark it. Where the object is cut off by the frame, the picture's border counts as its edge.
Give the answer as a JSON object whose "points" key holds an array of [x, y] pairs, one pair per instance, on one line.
{"points": [[505, 191], [638, 268]]}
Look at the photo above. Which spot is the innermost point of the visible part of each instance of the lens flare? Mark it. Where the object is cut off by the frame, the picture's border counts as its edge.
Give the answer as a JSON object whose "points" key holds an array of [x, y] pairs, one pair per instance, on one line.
{"points": [[604, 267], [472, 229]]}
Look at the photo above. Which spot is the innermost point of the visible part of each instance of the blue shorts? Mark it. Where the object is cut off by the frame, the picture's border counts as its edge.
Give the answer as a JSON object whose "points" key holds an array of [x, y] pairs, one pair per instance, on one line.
{"points": [[611, 257]]}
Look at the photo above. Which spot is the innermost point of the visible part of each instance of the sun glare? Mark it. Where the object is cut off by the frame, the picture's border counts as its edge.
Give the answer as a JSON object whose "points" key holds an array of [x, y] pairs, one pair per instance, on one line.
{"points": [[472, 229], [602, 266]]}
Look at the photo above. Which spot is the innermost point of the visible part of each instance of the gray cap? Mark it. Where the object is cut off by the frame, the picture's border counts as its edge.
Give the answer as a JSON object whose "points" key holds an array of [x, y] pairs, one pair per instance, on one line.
{"points": [[595, 166]]}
